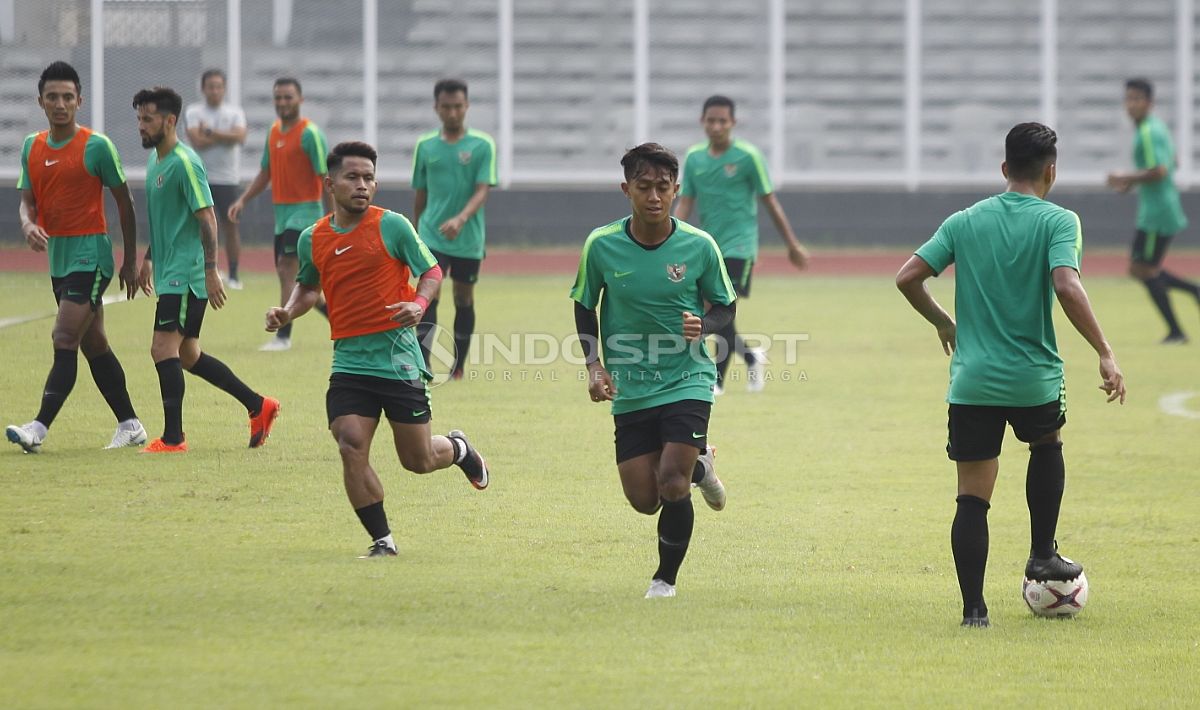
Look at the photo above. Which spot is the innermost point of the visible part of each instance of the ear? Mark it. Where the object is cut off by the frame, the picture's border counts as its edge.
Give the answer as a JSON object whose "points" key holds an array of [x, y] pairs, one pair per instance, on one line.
{"points": [[625, 189], [1004, 168], [1050, 173]]}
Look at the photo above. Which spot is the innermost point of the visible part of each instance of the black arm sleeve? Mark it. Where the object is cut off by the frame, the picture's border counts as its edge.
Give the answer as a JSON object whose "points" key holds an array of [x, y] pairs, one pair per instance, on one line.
{"points": [[587, 326], [718, 317]]}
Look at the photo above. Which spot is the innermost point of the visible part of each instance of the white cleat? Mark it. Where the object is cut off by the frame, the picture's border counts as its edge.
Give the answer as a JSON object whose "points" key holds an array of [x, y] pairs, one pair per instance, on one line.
{"points": [[25, 436], [133, 435], [710, 486], [660, 590], [718, 390], [276, 344], [756, 373], [234, 284]]}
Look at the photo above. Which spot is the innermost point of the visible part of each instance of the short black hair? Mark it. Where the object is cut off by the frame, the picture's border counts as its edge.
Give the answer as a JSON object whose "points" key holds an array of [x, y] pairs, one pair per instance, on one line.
{"points": [[639, 159], [347, 149], [284, 80], [210, 73], [717, 100], [450, 86], [59, 71], [1028, 148], [165, 100], [1142, 85]]}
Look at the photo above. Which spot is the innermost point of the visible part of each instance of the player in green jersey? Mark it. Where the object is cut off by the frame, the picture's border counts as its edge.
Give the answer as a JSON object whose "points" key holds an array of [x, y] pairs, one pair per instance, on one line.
{"points": [[1012, 254], [1160, 215], [182, 266], [651, 275], [62, 212], [725, 178], [453, 170]]}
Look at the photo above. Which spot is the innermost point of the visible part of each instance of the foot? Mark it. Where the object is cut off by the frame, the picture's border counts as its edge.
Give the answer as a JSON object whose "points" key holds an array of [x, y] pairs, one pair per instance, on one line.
{"points": [[975, 620], [1175, 339], [276, 344], [1053, 569], [26, 436], [128, 434], [718, 390], [472, 464], [234, 284], [710, 486], [379, 549], [456, 375], [756, 373], [261, 423], [660, 590], [158, 446]]}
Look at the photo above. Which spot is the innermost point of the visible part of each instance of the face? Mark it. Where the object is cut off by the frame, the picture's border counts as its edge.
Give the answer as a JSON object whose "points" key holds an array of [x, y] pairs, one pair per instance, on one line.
{"points": [[153, 126], [451, 107], [214, 90], [60, 100], [353, 185], [651, 194], [287, 102], [718, 123], [1137, 104]]}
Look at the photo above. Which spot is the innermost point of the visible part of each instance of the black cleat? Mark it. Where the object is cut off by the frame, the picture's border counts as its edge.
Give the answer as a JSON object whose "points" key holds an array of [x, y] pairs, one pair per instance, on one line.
{"points": [[379, 549], [472, 464], [1175, 339], [976, 621], [1053, 569]]}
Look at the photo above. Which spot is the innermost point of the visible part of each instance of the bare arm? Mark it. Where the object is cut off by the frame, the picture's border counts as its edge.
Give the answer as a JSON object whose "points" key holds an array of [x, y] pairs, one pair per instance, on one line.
{"points": [[601, 387], [420, 199], [234, 136], [409, 313], [454, 225], [254, 189], [35, 236], [796, 253], [911, 282], [301, 301], [127, 276], [683, 209], [198, 138], [208, 241], [1075, 303], [1123, 181]]}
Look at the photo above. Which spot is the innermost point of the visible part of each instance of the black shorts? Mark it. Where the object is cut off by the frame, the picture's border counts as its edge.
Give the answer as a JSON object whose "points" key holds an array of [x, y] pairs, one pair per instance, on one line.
{"points": [[739, 271], [80, 287], [223, 196], [182, 313], [458, 268], [1149, 248], [403, 401], [285, 243], [976, 432], [646, 430]]}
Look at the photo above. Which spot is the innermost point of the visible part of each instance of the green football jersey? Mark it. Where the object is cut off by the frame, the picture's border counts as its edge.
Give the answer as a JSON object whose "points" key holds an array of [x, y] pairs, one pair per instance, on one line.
{"points": [[177, 188], [391, 354], [642, 293], [726, 189], [1159, 209], [1004, 249], [92, 251], [449, 172]]}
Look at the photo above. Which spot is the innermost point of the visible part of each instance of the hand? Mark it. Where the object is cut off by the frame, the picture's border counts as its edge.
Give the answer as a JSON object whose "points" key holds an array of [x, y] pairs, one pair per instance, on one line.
{"points": [[1119, 182], [947, 334], [145, 279], [798, 255], [277, 317], [692, 326], [235, 211], [128, 277], [406, 313], [36, 237], [451, 227], [1113, 381], [216, 289], [600, 383]]}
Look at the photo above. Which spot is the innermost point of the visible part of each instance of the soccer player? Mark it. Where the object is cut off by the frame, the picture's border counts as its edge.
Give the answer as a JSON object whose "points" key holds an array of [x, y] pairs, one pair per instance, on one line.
{"points": [[182, 263], [217, 129], [453, 170], [651, 275], [293, 163], [1160, 215], [1014, 252], [64, 171], [363, 256], [725, 177]]}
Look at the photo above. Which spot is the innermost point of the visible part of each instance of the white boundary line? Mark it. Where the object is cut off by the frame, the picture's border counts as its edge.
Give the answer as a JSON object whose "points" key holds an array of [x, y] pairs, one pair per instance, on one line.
{"points": [[1175, 404], [18, 320]]}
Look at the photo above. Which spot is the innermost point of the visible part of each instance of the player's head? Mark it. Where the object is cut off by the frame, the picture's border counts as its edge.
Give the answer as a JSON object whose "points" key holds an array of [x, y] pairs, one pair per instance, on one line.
{"points": [[451, 104], [651, 173], [157, 112], [212, 85], [1139, 95], [717, 118], [1030, 154], [59, 93], [351, 176], [288, 97]]}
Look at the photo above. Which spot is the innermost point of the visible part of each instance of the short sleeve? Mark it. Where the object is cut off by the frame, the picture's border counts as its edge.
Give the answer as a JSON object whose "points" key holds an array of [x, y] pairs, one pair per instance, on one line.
{"points": [[191, 117], [938, 252], [485, 174], [760, 178], [308, 274], [313, 142], [195, 188], [1066, 241], [1164, 150], [23, 175], [402, 243], [265, 162], [589, 281], [420, 180], [688, 186], [239, 117], [714, 282], [102, 160]]}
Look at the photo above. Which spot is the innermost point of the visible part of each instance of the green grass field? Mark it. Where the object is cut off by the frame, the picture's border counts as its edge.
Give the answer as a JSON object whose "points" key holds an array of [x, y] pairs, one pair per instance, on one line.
{"points": [[228, 578]]}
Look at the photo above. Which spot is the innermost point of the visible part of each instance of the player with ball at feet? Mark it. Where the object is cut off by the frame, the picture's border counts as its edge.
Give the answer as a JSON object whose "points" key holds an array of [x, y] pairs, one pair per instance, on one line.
{"points": [[1015, 251]]}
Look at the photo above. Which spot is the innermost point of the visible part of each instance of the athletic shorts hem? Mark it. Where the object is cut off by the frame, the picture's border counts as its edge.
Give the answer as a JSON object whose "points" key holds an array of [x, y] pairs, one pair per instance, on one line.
{"points": [[460, 269], [82, 287], [740, 272], [286, 243], [976, 432], [1149, 247], [401, 401], [646, 431]]}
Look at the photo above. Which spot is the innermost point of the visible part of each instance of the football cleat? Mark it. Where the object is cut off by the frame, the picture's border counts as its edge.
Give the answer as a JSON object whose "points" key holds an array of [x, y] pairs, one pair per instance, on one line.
{"points": [[379, 549], [1175, 339], [261, 423], [473, 466], [25, 436], [1052, 569], [660, 590], [756, 373], [158, 446], [123, 436], [974, 620], [710, 486], [234, 284], [276, 344]]}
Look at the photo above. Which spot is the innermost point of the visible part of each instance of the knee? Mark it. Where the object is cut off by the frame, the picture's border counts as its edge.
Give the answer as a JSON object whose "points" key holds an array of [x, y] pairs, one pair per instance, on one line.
{"points": [[350, 448], [1050, 442], [418, 462], [64, 339], [464, 301], [162, 351], [645, 505]]}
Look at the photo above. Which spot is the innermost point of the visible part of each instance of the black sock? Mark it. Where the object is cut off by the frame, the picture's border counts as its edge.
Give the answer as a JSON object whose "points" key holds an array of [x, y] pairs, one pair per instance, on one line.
{"points": [[675, 521], [697, 472], [110, 380], [322, 308], [374, 519], [746, 353], [284, 333], [426, 330], [233, 270], [170, 383], [1157, 287], [726, 342], [1172, 281], [59, 384], [1044, 483], [464, 326], [969, 541], [220, 376]]}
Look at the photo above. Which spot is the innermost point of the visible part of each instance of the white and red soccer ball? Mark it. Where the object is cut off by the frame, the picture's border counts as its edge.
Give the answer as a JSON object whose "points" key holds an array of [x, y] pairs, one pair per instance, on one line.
{"points": [[1056, 599]]}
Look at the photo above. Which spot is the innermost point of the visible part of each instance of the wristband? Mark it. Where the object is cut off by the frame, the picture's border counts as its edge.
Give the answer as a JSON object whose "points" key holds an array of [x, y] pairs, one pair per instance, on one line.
{"points": [[422, 302]]}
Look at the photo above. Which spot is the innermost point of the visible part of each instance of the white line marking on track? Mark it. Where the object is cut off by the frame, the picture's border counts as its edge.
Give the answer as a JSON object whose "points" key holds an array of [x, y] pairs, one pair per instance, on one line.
{"points": [[1175, 404], [18, 320]]}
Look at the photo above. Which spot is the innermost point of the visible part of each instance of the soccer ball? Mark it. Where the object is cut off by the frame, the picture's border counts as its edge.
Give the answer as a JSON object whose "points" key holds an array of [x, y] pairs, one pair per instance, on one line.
{"points": [[1055, 599]]}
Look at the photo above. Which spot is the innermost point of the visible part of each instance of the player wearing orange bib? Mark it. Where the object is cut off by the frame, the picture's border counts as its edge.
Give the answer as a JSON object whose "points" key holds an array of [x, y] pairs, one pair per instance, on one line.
{"points": [[64, 171], [364, 257]]}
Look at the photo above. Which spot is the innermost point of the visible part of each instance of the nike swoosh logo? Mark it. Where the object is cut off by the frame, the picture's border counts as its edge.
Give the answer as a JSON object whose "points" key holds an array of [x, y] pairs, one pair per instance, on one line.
{"points": [[697, 436], [343, 250], [51, 162], [279, 144], [74, 293], [621, 274], [417, 414], [164, 322]]}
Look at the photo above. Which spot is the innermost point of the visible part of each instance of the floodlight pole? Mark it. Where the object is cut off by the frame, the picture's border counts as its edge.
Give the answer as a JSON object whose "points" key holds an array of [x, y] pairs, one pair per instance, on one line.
{"points": [[370, 10], [96, 90]]}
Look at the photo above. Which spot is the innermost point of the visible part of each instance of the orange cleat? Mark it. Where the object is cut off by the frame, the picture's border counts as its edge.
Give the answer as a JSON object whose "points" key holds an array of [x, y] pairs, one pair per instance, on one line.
{"points": [[158, 446], [260, 425]]}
